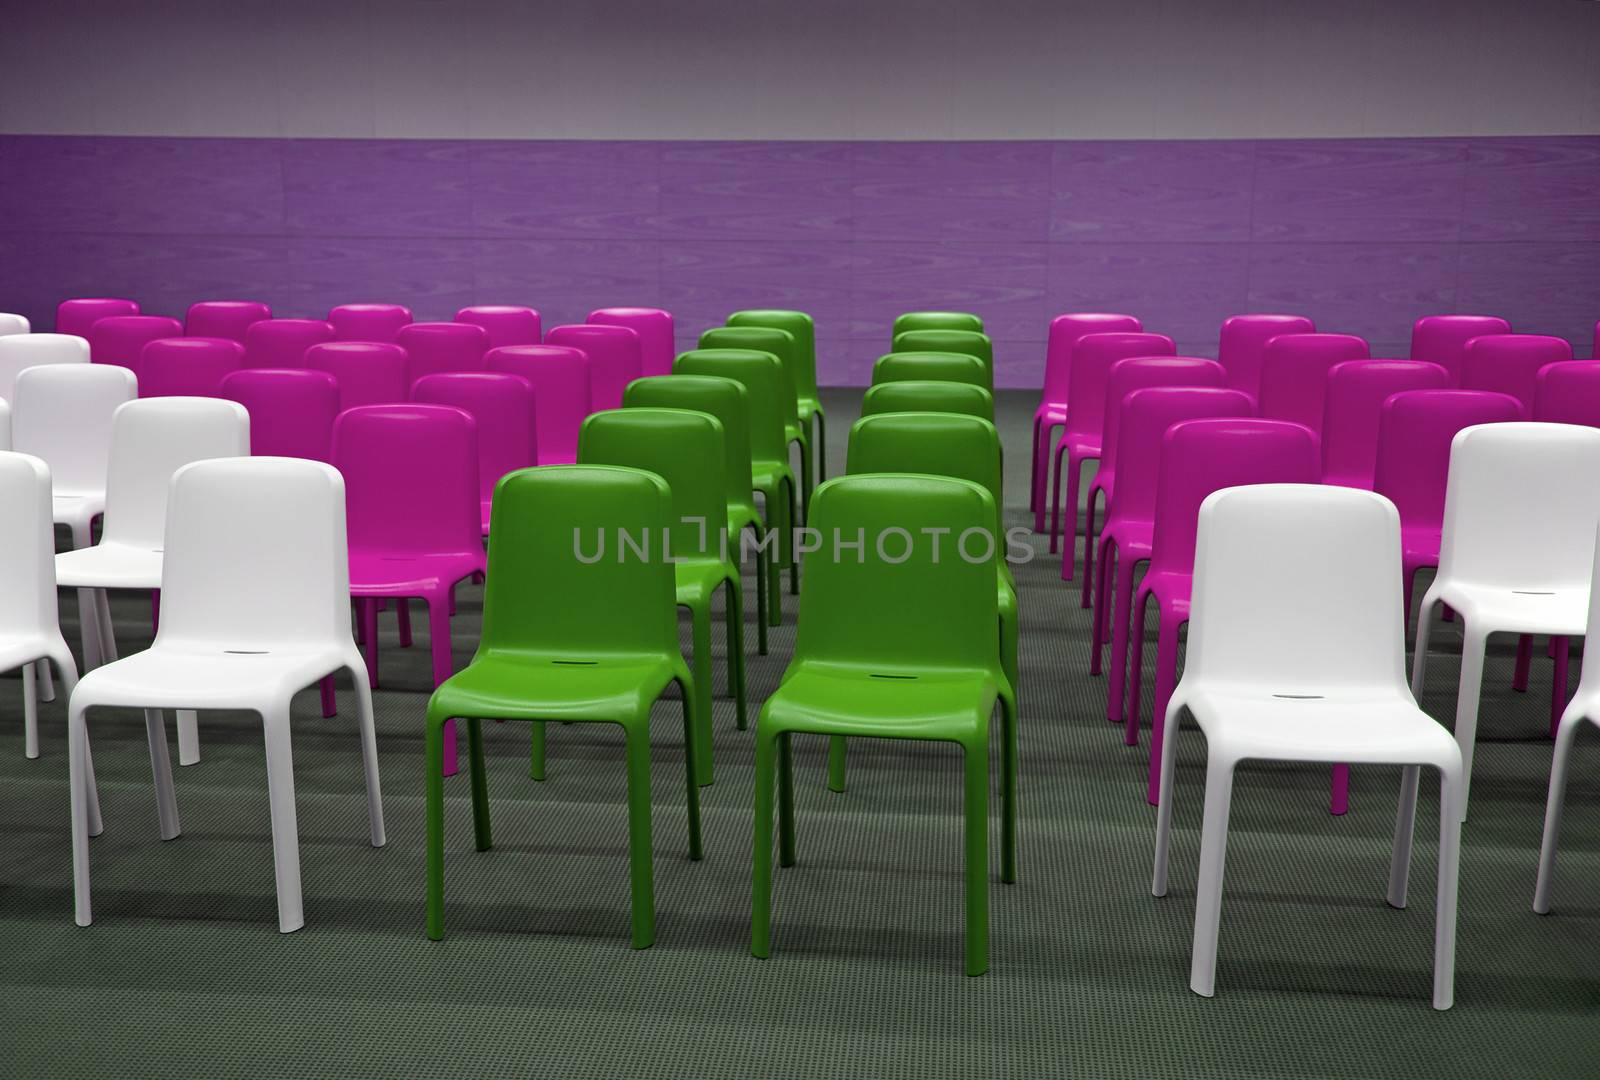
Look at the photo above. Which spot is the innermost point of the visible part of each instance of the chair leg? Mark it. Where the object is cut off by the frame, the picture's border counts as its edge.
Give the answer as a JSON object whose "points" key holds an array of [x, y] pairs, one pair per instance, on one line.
{"points": [[1473, 644], [821, 427], [1055, 508], [188, 737], [794, 559], [1419, 655], [433, 726], [478, 782], [30, 709], [639, 852], [700, 620], [80, 782], [285, 827], [1169, 758], [368, 608], [1405, 820], [47, 688], [786, 834], [1562, 653], [443, 666], [1104, 575], [1088, 548], [366, 722], [155, 729], [89, 629], [838, 750], [761, 874], [1208, 893], [975, 771], [1519, 677], [1339, 795], [1119, 610], [1135, 684], [108, 634], [806, 482], [1451, 788], [1033, 473], [692, 801], [330, 700], [761, 601], [733, 618], [1554, 804], [402, 617], [1041, 484], [536, 751], [1008, 792], [1166, 679]]}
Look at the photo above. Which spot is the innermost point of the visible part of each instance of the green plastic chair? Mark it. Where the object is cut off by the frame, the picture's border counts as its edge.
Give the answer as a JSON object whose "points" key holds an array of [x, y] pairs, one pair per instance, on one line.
{"points": [[936, 320], [930, 395], [685, 448], [570, 637], [762, 377], [782, 344], [898, 644], [729, 402], [932, 366], [971, 342], [799, 324]]}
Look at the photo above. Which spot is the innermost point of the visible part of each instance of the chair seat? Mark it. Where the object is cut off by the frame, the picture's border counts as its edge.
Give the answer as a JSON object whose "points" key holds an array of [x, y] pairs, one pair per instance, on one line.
{"points": [[1172, 589], [698, 578], [109, 566], [14, 652], [1079, 444], [1563, 611], [77, 507], [1372, 727], [1134, 537], [742, 515], [378, 573], [834, 699], [1051, 413], [768, 474], [188, 676], [546, 686], [809, 407]]}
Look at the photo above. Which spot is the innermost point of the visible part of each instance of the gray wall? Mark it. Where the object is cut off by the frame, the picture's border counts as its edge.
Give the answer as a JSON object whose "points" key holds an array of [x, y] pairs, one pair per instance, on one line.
{"points": [[800, 69]]}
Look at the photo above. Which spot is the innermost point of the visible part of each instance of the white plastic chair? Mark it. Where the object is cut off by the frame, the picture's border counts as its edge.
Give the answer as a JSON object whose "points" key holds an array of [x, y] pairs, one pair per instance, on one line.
{"points": [[13, 324], [1297, 653], [255, 605], [151, 439], [23, 351], [1516, 549], [5, 426]]}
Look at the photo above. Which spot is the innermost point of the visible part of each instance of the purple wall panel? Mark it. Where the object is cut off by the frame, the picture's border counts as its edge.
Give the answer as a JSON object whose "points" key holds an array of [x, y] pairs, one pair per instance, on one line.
{"points": [[1363, 235]]}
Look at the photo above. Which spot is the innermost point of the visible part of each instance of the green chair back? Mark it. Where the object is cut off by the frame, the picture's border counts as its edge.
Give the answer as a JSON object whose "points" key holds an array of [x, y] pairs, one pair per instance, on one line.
{"points": [[779, 343], [936, 320], [804, 331], [928, 395], [724, 398], [926, 366], [761, 374], [937, 443], [685, 448], [971, 342]]}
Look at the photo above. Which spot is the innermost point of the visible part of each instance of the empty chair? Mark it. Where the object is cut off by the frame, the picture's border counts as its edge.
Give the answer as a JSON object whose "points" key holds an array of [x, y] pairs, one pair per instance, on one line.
{"points": [[506, 324], [657, 337], [291, 410], [1294, 374], [369, 372], [432, 347], [282, 343], [255, 606], [13, 324], [928, 395], [1243, 342], [187, 366], [120, 339], [224, 318], [971, 342], [804, 371], [614, 358], [502, 406], [1269, 560], [63, 416], [1439, 339], [1566, 393], [559, 377], [1510, 363], [931, 366], [1516, 551], [76, 316], [936, 320], [18, 352], [786, 347], [368, 322], [1353, 406]]}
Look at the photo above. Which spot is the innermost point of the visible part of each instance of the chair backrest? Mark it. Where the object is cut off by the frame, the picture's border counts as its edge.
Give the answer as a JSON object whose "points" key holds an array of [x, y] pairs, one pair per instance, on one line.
{"points": [[804, 331], [28, 537], [561, 579], [76, 316], [1244, 339], [888, 603], [726, 399], [502, 406], [291, 410], [368, 322], [936, 443], [1202, 456], [762, 377], [282, 343], [935, 320], [224, 318], [18, 352], [1297, 593], [1439, 339], [255, 556], [559, 377], [1510, 363], [433, 347], [657, 335], [614, 358], [931, 366], [1092, 358], [1145, 416], [1415, 429], [369, 372], [1352, 407], [779, 343], [151, 439], [411, 478], [120, 339], [5, 426], [928, 395], [1568, 393], [971, 342], [63, 416], [1294, 374], [1512, 515], [682, 446], [506, 324], [187, 366], [12, 324], [1138, 372], [1065, 330]]}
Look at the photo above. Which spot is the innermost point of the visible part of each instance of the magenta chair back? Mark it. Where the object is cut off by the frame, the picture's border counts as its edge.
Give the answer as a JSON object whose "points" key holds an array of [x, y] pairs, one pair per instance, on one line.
{"points": [[1439, 339], [368, 322], [1568, 393], [657, 340], [502, 406], [614, 359], [1243, 342], [224, 318], [282, 343], [291, 410], [442, 346], [506, 324], [559, 377], [187, 366], [1510, 363], [1356, 392], [368, 372], [1294, 374], [411, 478], [76, 316], [120, 339]]}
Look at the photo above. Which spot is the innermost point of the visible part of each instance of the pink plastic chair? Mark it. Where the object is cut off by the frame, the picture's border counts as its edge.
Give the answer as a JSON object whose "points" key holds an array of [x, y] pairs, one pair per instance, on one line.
{"points": [[1197, 458], [1568, 393], [282, 343], [614, 359], [1125, 377], [1594, 353], [442, 346], [1438, 339], [76, 316], [1294, 374], [559, 377], [369, 372], [291, 410], [1079, 441], [502, 406], [1244, 340], [119, 339], [411, 497], [657, 340], [1357, 390], [1065, 330], [224, 318], [1510, 363], [187, 366], [1125, 541], [368, 322], [505, 323]]}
